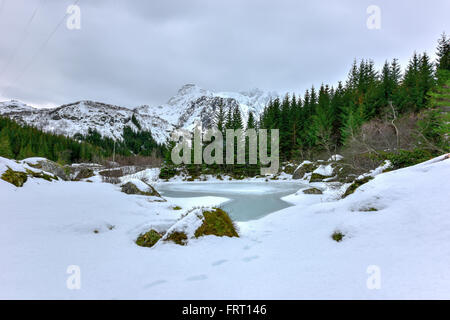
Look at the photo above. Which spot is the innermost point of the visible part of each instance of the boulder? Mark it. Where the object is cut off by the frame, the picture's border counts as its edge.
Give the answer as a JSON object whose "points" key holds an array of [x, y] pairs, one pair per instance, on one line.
{"points": [[62, 172], [140, 188], [84, 173], [355, 185], [312, 191], [303, 168]]}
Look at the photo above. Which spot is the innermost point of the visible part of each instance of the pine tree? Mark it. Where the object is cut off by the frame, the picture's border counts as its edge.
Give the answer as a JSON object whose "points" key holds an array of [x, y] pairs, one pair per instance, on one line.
{"points": [[220, 118], [5, 145], [237, 119], [323, 119], [443, 53], [251, 123]]}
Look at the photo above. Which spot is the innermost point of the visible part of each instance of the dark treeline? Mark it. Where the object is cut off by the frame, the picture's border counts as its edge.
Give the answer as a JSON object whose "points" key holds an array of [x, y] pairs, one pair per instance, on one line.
{"points": [[22, 141], [327, 118]]}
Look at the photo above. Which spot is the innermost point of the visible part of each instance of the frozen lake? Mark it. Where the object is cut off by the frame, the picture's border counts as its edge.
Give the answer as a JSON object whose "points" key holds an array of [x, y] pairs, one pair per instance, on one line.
{"points": [[248, 200]]}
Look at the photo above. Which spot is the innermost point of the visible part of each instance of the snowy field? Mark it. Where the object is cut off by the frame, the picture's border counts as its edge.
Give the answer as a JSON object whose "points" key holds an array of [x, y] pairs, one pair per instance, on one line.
{"points": [[48, 226]]}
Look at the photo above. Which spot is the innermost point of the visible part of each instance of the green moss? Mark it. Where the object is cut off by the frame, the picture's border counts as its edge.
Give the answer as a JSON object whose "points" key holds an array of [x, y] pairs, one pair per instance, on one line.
{"points": [[16, 178], [177, 208], [216, 222], [148, 239], [406, 158], [355, 185], [316, 177], [177, 237], [41, 175], [337, 236]]}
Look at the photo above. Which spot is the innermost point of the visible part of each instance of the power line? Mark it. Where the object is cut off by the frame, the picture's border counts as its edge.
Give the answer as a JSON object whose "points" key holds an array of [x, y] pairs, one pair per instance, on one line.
{"points": [[41, 48], [19, 44]]}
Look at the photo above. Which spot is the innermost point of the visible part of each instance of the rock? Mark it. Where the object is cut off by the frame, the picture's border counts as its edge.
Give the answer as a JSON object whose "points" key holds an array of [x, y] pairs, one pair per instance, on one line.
{"points": [[218, 223], [84, 173], [16, 178], [144, 189], [355, 185], [201, 222], [312, 191], [148, 239], [317, 177], [53, 168], [304, 168]]}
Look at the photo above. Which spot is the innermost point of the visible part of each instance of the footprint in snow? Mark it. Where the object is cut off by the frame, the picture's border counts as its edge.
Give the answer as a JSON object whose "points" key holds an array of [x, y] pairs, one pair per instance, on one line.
{"points": [[248, 259], [197, 278], [155, 283], [218, 262]]}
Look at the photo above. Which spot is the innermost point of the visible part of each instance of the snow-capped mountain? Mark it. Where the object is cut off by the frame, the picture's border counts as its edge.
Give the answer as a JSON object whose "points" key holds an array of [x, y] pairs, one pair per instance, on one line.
{"points": [[190, 106]]}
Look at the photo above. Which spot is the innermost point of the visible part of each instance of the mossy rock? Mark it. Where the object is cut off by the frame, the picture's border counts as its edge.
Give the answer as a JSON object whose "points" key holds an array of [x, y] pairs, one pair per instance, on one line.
{"points": [[148, 239], [344, 173], [304, 169], [16, 178], [62, 172], [216, 222], [177, 237], [289, 168], [312, 191], [316, 177], [84, 173], [177, 208], [355, 185], [337, 236], [131, 188], [41, 175]]}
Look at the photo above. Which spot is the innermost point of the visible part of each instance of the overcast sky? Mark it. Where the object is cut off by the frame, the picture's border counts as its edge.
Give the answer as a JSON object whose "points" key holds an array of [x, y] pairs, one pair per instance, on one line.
{"points": [[138, 52]]}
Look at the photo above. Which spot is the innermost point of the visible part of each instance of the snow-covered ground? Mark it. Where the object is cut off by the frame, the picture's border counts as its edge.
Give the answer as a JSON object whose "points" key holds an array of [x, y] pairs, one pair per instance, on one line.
{"points": [[404, 245]]}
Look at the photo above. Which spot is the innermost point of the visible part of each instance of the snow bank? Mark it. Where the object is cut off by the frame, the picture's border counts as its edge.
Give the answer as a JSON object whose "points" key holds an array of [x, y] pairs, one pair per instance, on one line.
{"points": [[324, 170], [397, 223]]}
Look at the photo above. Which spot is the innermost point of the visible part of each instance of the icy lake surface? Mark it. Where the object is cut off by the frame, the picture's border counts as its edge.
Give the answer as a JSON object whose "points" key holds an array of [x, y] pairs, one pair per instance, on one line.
{"points": [[248, 200]]}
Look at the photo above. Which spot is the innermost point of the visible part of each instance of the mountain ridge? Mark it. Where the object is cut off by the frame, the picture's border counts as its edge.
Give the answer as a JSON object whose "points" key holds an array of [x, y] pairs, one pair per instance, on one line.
{"points": [[190, 106]]}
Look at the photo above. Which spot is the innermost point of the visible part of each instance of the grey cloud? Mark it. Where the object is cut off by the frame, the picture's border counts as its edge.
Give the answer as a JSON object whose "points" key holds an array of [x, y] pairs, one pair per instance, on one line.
{"points": [[141, 52]]}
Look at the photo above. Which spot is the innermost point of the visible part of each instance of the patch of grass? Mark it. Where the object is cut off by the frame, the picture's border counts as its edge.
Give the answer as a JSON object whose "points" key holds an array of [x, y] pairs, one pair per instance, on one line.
{"points": [[355, 185], [337, 236], [16, 178], [217, 222], [148, 239], [369, 209], [177, 208], [177, 237]]}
